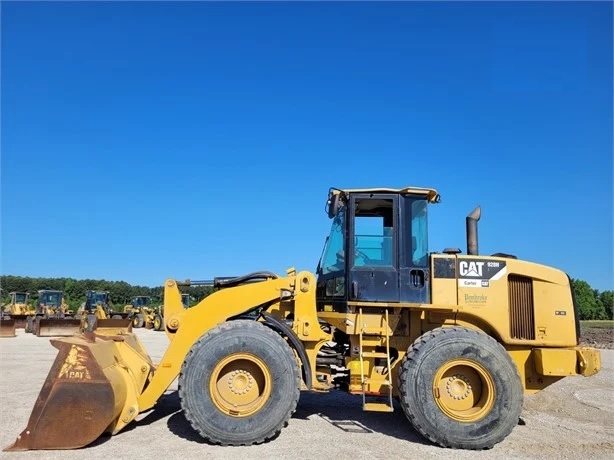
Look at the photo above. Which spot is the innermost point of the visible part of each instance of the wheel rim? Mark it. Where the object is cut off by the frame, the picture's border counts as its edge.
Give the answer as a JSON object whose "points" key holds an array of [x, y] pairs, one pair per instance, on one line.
{"points": [[240, 385], [464, 390], [157, 323]]}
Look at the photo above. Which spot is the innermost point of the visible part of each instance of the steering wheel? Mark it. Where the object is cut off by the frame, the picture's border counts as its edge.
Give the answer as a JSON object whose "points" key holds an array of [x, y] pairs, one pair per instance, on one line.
{"points": [[359, 253]]}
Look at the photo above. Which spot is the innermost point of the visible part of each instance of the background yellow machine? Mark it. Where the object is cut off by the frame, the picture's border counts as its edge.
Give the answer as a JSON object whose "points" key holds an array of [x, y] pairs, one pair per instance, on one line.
{"points": [[53, 318], [96, 313], [140, 312], [15, 313], [455, 339]]}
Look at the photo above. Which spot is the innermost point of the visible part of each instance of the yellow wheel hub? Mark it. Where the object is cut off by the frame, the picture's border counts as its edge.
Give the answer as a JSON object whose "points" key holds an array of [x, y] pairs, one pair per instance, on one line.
{"points": [[240, 384], [464, 390]]}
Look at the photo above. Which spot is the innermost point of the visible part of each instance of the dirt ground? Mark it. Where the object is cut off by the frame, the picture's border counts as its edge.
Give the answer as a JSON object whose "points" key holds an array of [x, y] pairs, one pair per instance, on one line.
{"points": [[571, 419], [599, 334]]}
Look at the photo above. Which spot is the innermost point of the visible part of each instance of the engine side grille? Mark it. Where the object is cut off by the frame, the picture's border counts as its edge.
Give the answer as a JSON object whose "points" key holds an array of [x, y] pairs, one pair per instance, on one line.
{"points": [[522, 315]]}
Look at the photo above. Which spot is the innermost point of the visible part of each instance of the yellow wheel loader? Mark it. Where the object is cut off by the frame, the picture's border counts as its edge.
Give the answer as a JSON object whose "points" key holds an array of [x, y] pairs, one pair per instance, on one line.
{"points": [[15, 314], [53, 318], [452, 340], [141, 312], [96, 313]]}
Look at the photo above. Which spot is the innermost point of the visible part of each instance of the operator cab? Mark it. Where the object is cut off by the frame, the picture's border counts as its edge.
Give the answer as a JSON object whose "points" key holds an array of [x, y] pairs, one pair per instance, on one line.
{"points": [[141, 301], [94, 298], [19, 297], [377, 249], [50, 298]]}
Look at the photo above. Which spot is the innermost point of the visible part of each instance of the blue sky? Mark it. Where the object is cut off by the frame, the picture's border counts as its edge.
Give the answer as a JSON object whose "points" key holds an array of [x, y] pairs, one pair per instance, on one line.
{"points": [[151, 140]]}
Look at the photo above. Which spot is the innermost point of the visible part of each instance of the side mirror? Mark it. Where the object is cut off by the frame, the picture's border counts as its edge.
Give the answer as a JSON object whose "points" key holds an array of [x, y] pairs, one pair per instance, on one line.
{"points": [[333, 204]]}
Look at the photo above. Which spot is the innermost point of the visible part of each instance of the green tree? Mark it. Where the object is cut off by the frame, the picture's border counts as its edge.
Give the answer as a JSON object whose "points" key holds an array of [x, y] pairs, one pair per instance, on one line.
{"points": [[589, 305], [607, 300]]}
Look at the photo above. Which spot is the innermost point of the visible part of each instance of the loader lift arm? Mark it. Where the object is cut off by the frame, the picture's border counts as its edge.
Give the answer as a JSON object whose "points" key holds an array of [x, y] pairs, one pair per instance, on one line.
{"points": [[114, 374], [187, 325]]}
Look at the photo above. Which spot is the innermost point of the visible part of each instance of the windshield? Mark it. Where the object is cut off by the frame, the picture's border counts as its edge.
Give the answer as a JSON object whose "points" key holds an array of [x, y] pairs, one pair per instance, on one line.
{"points": [[20, 298], [98, 298], [51, 298], [333, 256], [141, 301]]}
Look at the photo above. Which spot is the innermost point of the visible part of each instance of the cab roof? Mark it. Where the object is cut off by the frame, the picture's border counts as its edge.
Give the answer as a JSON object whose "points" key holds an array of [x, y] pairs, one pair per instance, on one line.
{"points": [[431, 194]]}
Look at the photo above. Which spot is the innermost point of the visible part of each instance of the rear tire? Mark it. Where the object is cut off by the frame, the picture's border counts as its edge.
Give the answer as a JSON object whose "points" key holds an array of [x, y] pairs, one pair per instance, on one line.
{"points": [[460, 388], [239, 384]]}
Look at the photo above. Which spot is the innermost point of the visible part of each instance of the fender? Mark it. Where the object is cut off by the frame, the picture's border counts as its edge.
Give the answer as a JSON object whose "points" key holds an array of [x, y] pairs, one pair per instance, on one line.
{"points": [[274, 323]]}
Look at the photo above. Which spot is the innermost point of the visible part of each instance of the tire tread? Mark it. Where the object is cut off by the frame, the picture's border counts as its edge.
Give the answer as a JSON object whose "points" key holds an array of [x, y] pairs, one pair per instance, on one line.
{"points": [[412, 357], [221, 329]]}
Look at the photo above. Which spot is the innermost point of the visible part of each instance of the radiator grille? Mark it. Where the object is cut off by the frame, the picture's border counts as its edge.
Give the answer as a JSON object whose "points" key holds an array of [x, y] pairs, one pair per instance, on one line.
{"points": [[522, 319]]}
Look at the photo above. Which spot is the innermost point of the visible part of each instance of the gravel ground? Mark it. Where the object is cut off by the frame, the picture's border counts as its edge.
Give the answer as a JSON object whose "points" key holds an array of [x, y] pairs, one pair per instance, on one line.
{"points": [[571, 419]]}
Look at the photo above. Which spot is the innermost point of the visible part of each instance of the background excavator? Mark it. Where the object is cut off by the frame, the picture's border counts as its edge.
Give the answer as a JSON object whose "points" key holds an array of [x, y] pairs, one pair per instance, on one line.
{"points": [[15, 313], [452, 340], [52, 318]]}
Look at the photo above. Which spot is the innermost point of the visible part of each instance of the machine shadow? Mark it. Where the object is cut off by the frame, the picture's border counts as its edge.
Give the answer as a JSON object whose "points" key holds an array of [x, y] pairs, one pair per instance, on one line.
{"points": [[341, 410], [168, 404], [344, 411]]}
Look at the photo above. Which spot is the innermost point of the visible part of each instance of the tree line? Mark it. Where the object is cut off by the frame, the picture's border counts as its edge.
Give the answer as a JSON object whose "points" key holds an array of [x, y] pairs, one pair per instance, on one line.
{"points": [[120, 292], [592, 304]]}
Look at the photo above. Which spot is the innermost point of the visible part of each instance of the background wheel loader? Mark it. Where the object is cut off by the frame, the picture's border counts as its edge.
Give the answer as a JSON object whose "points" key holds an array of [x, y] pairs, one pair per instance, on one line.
{"points": [[456, 339], [96, 313], [141, 312], [53, 318], [15, 313]]}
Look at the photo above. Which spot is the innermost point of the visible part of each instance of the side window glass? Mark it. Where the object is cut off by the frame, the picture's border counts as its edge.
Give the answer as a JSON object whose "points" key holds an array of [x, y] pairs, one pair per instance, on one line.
{"points": [[419, 234], [373, 233], [335, 287]]}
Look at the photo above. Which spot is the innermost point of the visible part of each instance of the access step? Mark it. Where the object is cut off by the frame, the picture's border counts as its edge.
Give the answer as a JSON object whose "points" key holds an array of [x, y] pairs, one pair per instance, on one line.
{"points": [[377, 407], [374, 354], [385, 382], [374, 331]]}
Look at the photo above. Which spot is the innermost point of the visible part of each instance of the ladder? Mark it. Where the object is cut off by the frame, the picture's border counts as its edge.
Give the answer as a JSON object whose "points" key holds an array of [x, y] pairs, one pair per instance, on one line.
{"points": [[382, 331]]}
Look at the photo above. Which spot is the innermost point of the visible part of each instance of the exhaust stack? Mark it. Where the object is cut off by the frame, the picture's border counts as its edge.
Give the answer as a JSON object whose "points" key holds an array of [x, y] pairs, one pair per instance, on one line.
{"points": [[472, 231]]}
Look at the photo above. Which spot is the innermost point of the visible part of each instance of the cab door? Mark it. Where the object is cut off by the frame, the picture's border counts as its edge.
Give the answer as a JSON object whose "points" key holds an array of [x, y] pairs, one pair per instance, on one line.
{"points": [[373, 262]]}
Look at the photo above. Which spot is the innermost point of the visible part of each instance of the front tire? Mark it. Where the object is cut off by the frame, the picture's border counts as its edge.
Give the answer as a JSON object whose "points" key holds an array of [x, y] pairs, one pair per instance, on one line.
{"points": [[460, 388], [138, 320], [158, 323], [29, 325], [239, 384], [90, 323]]}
